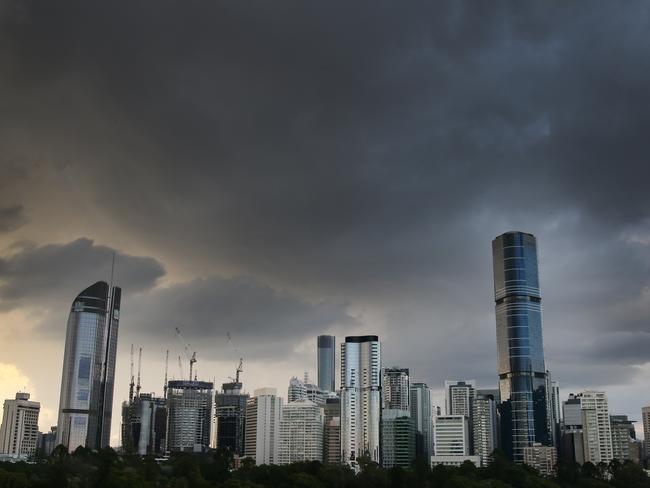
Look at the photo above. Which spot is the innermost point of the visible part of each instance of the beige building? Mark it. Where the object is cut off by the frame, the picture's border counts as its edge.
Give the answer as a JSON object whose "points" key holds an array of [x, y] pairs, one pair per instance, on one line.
{"points": [[19, 428], [542, 458]]}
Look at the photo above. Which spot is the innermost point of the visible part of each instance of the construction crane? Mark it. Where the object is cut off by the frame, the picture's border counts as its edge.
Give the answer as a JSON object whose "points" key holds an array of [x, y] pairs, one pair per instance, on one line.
{"points": [[240, 369], [180, 366], [186, 347], [131, 385], [166, 368], [137, 388]]}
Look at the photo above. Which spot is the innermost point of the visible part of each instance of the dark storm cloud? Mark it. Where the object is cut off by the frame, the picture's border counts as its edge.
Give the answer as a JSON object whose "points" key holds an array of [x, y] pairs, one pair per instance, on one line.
{"points": [[11, 218], [366, 152], [51, 275], [265, 322]]}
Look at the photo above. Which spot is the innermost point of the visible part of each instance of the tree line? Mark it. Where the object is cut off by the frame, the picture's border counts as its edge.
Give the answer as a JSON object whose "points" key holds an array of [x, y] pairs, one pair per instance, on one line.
{"points": [[106, 468]]}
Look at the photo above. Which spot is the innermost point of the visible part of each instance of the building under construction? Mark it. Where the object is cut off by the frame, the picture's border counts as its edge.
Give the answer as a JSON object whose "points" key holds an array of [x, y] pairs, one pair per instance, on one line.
{"points": [[230, 411], [189, 410]]}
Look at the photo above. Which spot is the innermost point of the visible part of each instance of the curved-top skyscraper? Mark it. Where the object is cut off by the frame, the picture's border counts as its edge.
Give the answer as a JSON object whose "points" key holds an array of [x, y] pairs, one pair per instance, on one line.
{"points": [[522, 373], [86, 402]]}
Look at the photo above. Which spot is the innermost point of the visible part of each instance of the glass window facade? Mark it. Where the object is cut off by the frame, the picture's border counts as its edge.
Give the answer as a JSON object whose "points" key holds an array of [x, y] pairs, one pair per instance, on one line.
{"points": [[86, 400], [522, 374]]}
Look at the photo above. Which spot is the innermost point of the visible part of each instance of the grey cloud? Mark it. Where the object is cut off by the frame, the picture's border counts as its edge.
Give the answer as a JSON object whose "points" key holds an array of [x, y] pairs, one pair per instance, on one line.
{"points": [[363, 153], [51, 275], [262, 321], [11, 218]]}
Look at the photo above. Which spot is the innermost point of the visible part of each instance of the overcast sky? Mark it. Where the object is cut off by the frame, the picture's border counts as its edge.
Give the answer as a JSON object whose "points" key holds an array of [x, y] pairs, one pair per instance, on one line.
{"points": [[279, 170]]}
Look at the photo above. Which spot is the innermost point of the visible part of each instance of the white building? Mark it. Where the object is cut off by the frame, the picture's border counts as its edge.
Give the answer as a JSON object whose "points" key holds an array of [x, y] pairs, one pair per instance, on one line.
{"points": [[360, 398], [301, 433], [596, 427], [263, 413], [19, 428], [189, 415], [455, 461], [451, 434]]}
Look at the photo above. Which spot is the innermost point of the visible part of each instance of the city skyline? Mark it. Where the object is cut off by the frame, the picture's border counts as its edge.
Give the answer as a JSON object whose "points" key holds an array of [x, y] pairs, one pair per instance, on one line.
{"points": [[267, 175]]}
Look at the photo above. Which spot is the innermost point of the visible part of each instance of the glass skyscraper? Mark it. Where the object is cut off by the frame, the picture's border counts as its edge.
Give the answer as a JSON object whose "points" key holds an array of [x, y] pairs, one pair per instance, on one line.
{"points": [[86, 402], [525, 416], [326, 362]]}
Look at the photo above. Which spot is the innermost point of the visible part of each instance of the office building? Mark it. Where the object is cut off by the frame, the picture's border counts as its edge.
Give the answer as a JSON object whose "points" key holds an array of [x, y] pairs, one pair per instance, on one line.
{"points": [[397, 438], [326, 362], [19, 428], [542, 458], [597, 433], [524, 407], [332, 441], [451, 433], [332, 430], [230, 411], [301, 433], [572, 446], [395, 388], [189, 415], [422, 419], [623, 435], [361, 398], [484, 426], [86, 401], [263, 414], [459, 396]]}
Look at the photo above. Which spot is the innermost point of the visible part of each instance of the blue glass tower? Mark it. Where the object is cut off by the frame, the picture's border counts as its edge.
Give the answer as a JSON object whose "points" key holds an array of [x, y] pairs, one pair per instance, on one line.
{"points": [[525, 417]]}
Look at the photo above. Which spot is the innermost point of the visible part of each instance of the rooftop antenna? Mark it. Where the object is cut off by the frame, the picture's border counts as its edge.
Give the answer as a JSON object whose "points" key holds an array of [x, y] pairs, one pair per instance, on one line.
{"points": [[137, 388], [131, 384], [166, 367], [112, 269]]}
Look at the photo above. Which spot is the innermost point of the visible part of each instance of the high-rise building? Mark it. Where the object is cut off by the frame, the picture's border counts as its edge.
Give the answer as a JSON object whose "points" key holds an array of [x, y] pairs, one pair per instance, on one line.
{"points": [[395, 388], [230, 410], [300, 433], [597, 433], [524, 408], [332, 430], [397, 438], [555, 407], [144, 424], [422, 419], [484, 426], [451, 435], [572, 445], [86, 402], [326, 362], [19, 428], [47, 441], [189, 412], [542, 458], [263, 414], [645, 417], [623, 435], [459, 396], [332, 441], [360, 398]]}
